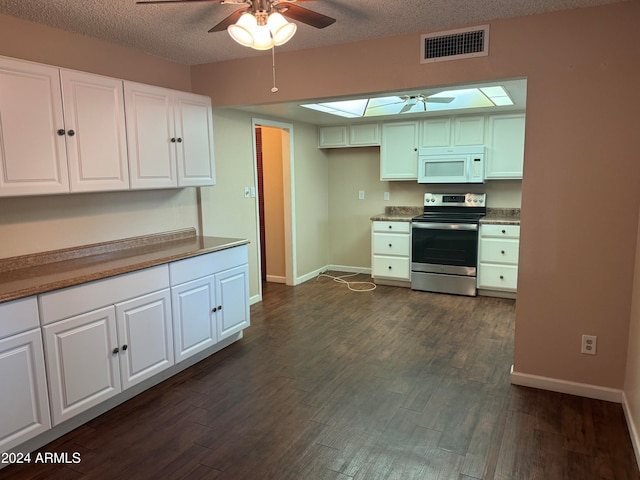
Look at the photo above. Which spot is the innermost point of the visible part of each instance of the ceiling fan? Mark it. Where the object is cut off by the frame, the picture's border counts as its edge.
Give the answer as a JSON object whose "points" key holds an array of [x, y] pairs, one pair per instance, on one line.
{"points": [[261, 10], [412, 100]]}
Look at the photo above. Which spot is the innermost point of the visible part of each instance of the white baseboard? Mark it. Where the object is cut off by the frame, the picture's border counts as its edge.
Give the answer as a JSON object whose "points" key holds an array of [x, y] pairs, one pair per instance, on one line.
{"points": [[276, 279], [255, 299], [633, 431], [565, 386], [333, 268], [348, 269]]}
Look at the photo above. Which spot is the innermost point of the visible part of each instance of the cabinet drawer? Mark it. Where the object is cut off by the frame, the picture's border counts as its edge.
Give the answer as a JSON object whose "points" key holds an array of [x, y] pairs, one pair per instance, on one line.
{"points": [[391, 267], [197, 267], [494, 250], [18, 316], [391, 244], [498, 277], [502, 231], [397, 227], [71, 301]]}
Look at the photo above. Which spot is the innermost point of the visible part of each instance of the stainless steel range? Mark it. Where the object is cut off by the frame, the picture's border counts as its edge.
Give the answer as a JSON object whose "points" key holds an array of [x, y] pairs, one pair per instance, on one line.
{"points": [[444, 243]]}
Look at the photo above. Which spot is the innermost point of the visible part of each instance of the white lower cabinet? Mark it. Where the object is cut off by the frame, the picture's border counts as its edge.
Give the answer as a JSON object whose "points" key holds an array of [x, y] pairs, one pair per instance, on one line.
{"points": [[100, 338], [498, 252], [124, 338], [24, 403], [207, 308], [391, 251]]}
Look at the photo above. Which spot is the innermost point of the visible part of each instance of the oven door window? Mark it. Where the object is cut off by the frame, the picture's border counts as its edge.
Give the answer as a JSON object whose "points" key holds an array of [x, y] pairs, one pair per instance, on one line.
{"points": [[444, 246]]}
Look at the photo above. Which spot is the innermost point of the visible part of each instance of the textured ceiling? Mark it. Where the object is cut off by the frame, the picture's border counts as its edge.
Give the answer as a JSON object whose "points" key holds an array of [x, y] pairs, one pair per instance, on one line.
{"points": [[179, 31]]}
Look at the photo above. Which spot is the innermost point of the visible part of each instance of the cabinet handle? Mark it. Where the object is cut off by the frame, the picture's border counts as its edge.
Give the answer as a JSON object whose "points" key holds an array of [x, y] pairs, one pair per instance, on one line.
{"points": [[501, 277], [61, 132], [219, 307], [173, 140], [115, 351], [179, 140], [124, 348], [390, 245], [504, 231], [214, 310], [390, 227], [71, 133], [389, 267], [502, 252]]}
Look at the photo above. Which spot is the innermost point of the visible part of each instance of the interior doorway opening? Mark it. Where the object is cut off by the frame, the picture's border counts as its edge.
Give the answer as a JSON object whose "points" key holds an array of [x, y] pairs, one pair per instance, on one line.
{"points": [[273, 147]]}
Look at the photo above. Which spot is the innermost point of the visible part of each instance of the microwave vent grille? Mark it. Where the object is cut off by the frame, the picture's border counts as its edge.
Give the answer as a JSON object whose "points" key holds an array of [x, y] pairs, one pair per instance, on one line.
{"points": [[455, 44]]}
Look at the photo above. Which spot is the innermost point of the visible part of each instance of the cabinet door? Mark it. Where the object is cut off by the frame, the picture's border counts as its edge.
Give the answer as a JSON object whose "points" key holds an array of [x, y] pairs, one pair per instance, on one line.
{"points": [[33, 158], [145, 337], [334, 136], [232, 294], [364, 134], [435, 132], [151, 139], [194, 140], [23, 403], [82, 366], [468, 130], [96, 138], [505, 152], [192, 305], [398, 151]]}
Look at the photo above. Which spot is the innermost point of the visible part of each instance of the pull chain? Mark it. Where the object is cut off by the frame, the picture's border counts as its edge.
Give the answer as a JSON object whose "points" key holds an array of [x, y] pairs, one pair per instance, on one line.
{"points": [[274, 89]]}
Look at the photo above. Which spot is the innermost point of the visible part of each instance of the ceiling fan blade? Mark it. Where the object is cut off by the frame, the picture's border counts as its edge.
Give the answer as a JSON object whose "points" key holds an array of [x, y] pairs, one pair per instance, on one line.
{"points": [[385, 104], [158, 2], [230, 20], [304, 15], [406, 108], [440, 99]]}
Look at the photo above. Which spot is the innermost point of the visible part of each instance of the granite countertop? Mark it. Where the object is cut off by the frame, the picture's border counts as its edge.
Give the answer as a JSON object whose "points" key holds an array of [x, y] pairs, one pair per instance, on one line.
{"points": [[501, 216], [495, 216], [398, 214], [28, 275]]}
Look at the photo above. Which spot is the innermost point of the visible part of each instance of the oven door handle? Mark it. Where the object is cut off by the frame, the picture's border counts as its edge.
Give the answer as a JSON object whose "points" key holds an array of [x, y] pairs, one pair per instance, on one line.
{"points": [[445, 226]]}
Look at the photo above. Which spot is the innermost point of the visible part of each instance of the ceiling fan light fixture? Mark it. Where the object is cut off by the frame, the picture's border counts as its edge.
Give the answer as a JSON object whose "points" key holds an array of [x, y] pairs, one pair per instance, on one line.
{"points": [[242, 30], [281, 30], [261, 34]]}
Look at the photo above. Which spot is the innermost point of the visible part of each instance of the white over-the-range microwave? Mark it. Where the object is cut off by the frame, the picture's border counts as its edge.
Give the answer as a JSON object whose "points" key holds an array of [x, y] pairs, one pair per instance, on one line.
{"points": [[451, 164]]}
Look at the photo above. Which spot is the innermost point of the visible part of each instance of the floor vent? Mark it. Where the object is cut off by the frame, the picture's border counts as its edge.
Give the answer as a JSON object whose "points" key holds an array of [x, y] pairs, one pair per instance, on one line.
{"points": [[454, 44]]}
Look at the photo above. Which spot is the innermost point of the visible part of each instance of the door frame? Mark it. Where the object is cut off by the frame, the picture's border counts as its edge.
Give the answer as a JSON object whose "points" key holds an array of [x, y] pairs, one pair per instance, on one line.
{"points": [[289, 199]]}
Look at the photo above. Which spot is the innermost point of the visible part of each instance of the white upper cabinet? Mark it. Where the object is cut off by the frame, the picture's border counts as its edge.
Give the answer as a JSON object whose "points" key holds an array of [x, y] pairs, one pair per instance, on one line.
{"points": [[95, 132], [399, 151], [452, 131], [194, 126], [505, 146], [151, 136], [170, 137], [33, 159], [355, 135]]}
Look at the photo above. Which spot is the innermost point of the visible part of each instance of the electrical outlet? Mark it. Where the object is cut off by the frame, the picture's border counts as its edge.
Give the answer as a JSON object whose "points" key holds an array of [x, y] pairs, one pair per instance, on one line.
{"points": [[386, 195], [589, 343], [361, 195], [247, 192]]}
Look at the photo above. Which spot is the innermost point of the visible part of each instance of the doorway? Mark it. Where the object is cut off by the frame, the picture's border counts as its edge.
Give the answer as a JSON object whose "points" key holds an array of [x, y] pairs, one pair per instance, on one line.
{"points": [[273, 147]]}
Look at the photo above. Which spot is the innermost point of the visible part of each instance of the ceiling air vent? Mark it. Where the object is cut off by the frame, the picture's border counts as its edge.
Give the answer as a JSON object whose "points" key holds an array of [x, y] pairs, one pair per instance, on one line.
{"points": [[454, 44]]}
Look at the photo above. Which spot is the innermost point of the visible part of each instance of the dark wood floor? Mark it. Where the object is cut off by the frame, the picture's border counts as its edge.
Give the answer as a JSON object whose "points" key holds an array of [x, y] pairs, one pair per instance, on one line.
{"points": [[332, 384]]}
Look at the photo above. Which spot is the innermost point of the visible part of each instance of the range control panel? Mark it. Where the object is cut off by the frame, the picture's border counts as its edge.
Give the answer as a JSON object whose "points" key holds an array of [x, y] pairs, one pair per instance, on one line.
{"points": [[455, 199]]}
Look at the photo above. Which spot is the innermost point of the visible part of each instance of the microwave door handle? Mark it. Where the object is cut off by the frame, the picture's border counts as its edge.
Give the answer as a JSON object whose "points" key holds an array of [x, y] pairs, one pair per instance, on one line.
{"points": [[445, 226]]}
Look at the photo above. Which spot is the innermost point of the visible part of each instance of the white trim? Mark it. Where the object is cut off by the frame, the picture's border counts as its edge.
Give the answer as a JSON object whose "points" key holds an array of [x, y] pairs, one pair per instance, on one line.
{"points": [[289, 201], [348, 269], [276, 279], [631, 425], [566, 386], [255, 299], [310, 276]]}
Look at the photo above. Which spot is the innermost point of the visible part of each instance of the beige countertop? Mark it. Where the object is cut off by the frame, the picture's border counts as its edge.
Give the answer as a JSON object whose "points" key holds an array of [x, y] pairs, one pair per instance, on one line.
{"points": [[42, 272], [501, 216], [495, 216]]}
